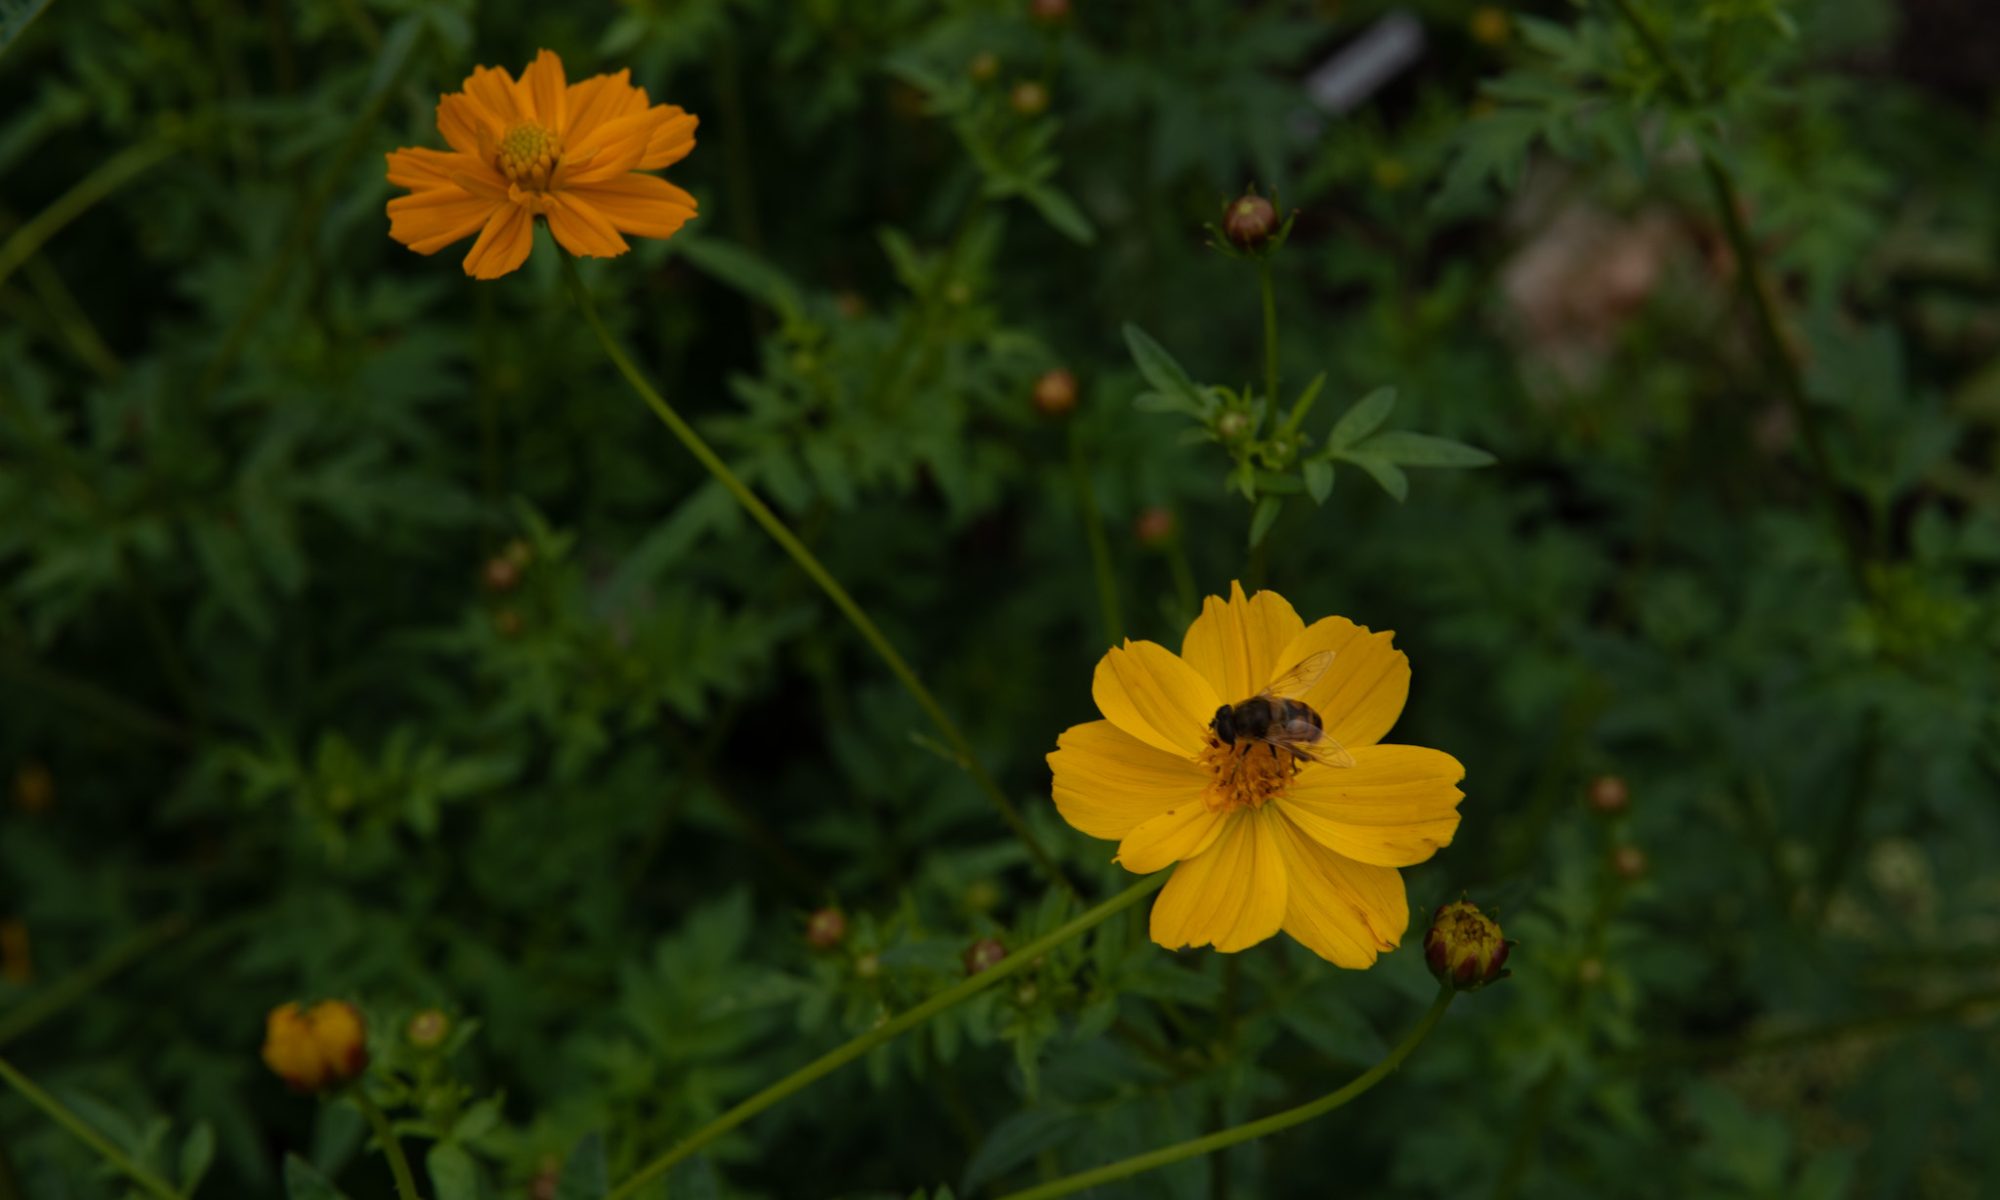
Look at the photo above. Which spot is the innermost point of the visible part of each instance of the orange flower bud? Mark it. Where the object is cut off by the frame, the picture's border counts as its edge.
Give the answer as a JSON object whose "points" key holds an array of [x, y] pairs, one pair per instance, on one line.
{"points": [[1155, 526], [316, 1048], [1629, 862], [1049, 12], [826, 929], [1250, 221], [984, 67], [1055, 392], [500, 574], [984, 955], [1609, 795], [1464, 947]]}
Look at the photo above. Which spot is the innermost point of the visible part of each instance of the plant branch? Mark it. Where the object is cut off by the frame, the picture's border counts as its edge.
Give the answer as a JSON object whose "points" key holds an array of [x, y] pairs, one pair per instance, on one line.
{"points": [[75, 1125], [392, 1149]]}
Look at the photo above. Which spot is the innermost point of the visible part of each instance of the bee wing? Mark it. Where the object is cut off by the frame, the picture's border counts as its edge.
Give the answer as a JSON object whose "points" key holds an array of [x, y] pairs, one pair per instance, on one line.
{"points": [[1295, 683], [1322, 749]]}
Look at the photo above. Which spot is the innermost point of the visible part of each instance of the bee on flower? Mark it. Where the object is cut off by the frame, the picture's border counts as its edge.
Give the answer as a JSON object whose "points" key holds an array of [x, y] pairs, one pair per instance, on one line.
{"points": [[1254, 760], [570, 153]]}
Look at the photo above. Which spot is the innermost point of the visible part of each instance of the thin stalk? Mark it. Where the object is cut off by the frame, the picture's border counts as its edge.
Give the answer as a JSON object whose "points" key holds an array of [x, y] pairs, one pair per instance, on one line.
{"points": [[1093, 532], [886, 1032], [86, 979], [113, 173], [76, 1126], [392, 1149], [1732, 1049], [807, 562], [1757, 291], [1184, 588], [1270, 333], [1276, 1122]]}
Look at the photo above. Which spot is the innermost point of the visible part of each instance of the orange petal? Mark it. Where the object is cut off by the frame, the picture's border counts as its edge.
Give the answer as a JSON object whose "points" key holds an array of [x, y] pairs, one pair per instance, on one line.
{"points": [[1344, 911], [430, 220], [672, 137], [1108, 782], [420, 167], [608, 151], [1235, 643], [1147, 691], [581, 229], [1362, 693], [546, 93], [598, 99], [1179, 833], [495, 90], [503, 245], [1231, 896], [1394, 807], [645, 205], [467, 126]]}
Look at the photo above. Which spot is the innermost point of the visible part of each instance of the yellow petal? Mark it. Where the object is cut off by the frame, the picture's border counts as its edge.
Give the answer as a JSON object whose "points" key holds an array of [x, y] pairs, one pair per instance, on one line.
{"points": [[1394, 807], [1235, 643], [581, 229], [1232, 895], [1363, 691], [546, 92], [1150, 693], [1344, 911], [645, 205], [503, 245], [1181, 832], [1108, 782]]}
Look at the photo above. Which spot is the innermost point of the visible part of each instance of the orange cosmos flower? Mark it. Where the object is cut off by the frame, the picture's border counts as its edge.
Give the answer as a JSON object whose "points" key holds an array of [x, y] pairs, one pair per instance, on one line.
{"points": [[1265, 841], [569, 152]]}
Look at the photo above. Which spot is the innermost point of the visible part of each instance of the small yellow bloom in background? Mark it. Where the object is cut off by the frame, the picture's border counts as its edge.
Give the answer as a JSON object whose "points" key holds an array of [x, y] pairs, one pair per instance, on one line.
{"points": [[1489, 25], [1265, 841], [1464, 947], [567, 152], [17, 959], [315, 1048]]}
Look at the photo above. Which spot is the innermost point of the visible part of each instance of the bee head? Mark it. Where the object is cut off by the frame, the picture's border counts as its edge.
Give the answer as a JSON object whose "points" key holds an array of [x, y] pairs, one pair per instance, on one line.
{"points": [[1223, 726]]}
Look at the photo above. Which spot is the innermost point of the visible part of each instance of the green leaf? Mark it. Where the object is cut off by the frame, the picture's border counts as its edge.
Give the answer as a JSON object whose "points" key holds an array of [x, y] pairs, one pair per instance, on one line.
{"points": [[1319, 479], [454, 1176], [1424, 450], [1061, 213], [585, 1176], [694, 1179], [1384, 472], [1171, 385], [1017, 1140], [1362, 419], [1260, 521], [746, 272], [304, 1182], [197, 1152]]}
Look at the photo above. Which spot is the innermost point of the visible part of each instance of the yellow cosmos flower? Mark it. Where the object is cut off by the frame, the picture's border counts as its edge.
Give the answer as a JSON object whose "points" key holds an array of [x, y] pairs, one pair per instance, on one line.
{"points": [[1264, 842], [568, 152]]}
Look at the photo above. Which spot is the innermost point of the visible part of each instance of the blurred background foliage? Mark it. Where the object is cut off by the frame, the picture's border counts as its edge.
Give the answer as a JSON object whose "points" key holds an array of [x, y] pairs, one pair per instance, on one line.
{"points": [[361, 636]]}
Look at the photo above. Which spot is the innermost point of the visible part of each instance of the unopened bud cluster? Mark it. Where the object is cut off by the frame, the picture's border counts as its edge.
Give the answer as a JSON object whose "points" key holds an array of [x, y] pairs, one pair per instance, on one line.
{"points": [[316, 1048], [1464, 948]]}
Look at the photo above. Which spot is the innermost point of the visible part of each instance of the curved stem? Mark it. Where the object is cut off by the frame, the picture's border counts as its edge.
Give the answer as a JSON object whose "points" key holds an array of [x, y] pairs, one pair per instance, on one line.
{"points": [[1270, 333], [85, 1134], [762, 514], [385, 1137], [1194, 1148], [827, 1063], [110, 175]]}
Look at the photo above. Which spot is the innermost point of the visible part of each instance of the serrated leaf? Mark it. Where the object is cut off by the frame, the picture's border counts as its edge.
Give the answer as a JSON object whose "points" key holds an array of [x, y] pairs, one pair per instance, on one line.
{"points": [[1062, 214], [1384, 472], [1363, 418], [1423, 450], [304, 1182], [585, 1176], [1170, 383], [454, 1176], [1260, 521], [1319, 479]]}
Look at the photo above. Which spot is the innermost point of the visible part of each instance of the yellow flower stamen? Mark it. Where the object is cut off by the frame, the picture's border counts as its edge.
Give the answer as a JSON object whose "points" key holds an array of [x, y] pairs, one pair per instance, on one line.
{"points": [[1245, 774], [528, 154]]}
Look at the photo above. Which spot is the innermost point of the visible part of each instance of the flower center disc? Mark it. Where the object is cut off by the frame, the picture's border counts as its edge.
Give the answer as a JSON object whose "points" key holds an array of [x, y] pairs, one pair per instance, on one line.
{"points": [[528, 153], [1245, 774]]}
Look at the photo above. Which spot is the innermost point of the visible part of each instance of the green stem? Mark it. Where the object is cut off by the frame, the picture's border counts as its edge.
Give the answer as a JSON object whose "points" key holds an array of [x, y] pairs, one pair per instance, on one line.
{"points": [[1093, 531], [392, 1149], [1757, 291], [1184, 587], [84, 1133], [762, 514], [1730, 1050], [110, 175], [1276, 1122], [888, 1031], [1270, 333], [82, 982]]}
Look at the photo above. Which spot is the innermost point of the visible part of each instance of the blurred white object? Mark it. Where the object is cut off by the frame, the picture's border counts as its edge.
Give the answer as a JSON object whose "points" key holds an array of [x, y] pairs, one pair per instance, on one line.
{"points": [[1362, 66]]}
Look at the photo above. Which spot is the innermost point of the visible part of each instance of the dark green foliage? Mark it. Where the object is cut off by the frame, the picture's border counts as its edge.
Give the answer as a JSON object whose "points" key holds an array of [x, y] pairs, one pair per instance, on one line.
{"points": [[362, 636]]}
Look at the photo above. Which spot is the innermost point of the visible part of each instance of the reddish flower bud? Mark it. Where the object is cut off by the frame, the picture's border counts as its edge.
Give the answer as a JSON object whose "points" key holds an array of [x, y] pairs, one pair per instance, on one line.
{"points": [[1029, 98], [1049, 12], [1055, 393], [317, 1048], [1629, 862], [826, 929], [983, 955], [1609, 795], [1250, 221], [1464, 947], [1155, 526], [500, 574]]}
